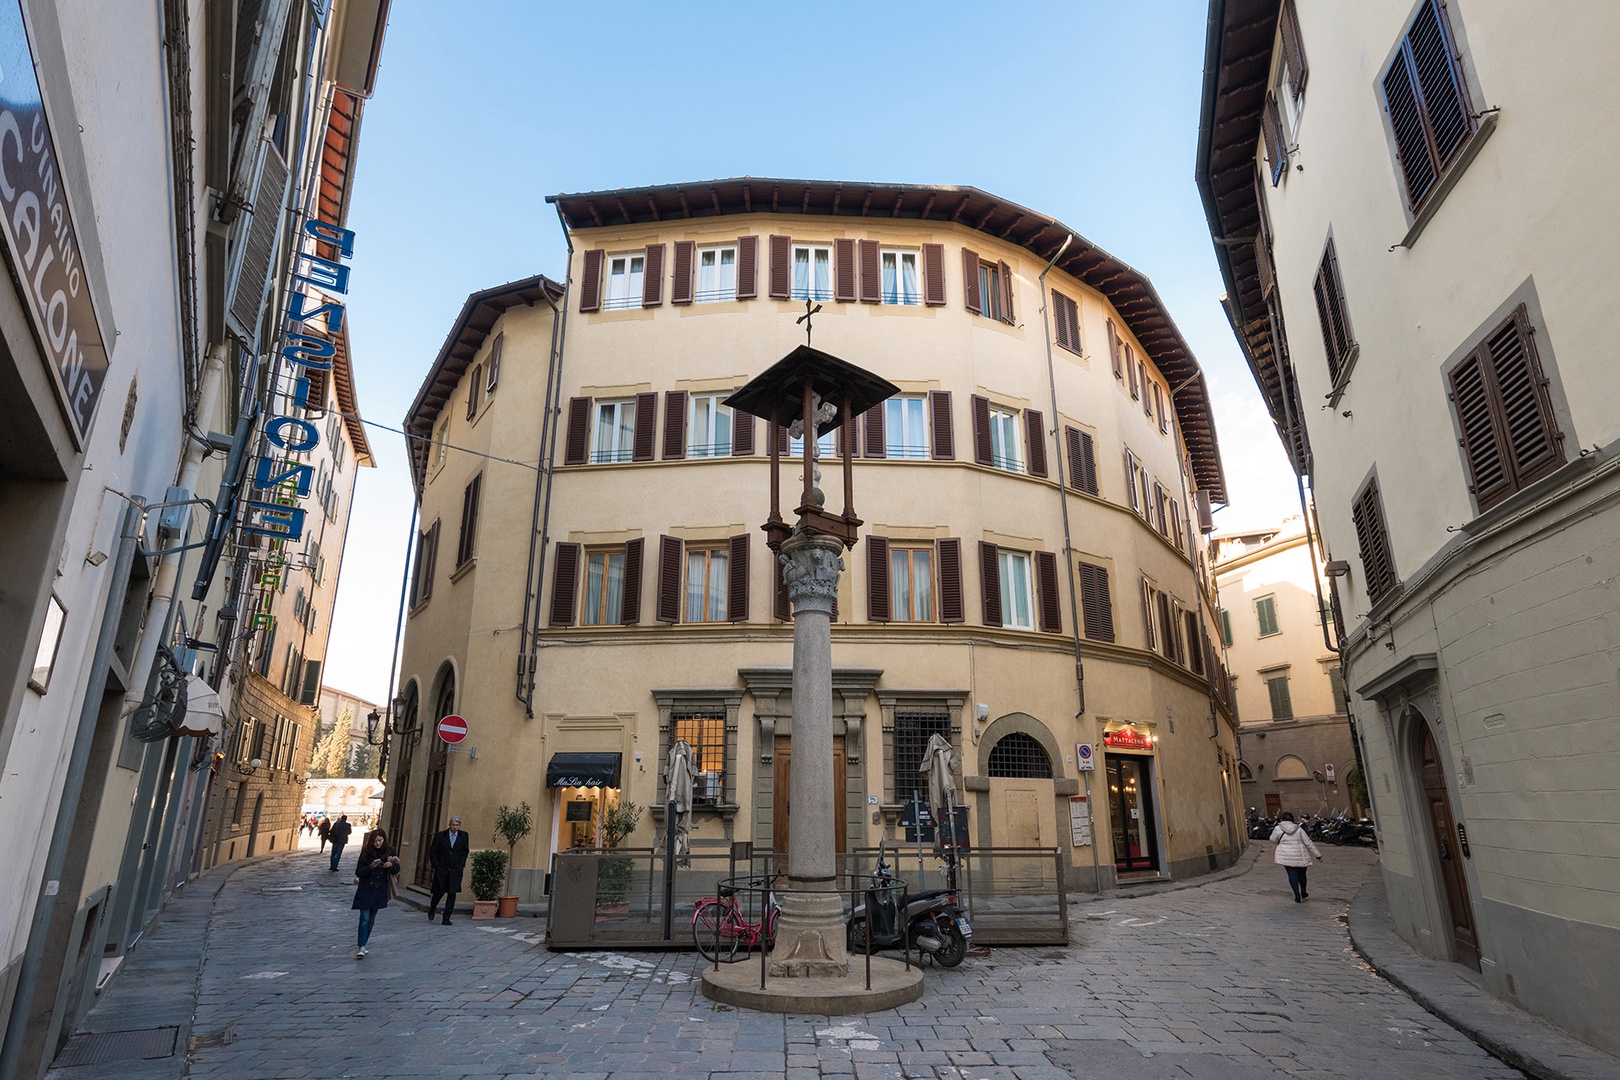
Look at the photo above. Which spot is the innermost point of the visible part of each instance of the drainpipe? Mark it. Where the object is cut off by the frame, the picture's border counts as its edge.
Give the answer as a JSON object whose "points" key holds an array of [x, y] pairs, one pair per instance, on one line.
{"points": [[548, 456], [1063, 490], [399, 628], [531, 596]]}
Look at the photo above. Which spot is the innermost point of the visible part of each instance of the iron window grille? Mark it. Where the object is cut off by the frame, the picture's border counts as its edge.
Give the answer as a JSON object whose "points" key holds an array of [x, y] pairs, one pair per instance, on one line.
{"points": [[1019, 757], [912, 731], [704, 730]]}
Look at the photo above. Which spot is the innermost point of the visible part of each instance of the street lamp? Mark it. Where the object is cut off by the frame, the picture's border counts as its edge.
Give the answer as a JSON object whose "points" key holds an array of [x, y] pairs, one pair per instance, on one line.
{"points": [[810, 391], [250, 767]]}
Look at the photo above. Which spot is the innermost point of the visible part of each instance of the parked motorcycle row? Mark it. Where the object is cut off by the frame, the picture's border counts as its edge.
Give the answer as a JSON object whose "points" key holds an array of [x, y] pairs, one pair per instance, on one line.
{"points": [[1340, 828]]}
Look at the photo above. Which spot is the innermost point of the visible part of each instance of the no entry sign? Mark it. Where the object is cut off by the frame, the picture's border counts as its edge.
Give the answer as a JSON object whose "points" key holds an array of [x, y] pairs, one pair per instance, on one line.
{"points": [[452, 729]]}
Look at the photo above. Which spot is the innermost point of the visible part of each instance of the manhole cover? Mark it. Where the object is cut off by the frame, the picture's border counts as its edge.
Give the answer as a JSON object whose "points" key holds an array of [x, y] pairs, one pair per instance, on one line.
{"points": [[94, 1049]]}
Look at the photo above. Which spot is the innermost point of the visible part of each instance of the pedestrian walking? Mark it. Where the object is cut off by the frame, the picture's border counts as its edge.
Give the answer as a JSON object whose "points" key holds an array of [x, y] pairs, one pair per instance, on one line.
{"points": [[1294, 851], [447, 855], [339, 837], [373, 873], [325, 829]]}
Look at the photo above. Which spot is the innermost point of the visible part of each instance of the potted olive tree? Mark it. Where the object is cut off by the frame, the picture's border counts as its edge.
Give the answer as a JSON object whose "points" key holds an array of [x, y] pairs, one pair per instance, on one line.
{"points": [[512, 824], [613, 878], [488, 872]]}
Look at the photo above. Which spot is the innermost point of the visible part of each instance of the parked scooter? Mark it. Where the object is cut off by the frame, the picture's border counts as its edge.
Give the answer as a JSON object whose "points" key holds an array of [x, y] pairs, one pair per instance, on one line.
{"points": [[930, 922]]}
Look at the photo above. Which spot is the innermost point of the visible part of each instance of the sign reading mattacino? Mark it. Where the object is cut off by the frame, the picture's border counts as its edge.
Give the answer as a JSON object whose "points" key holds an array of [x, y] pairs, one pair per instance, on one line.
{"points": [[38, 224]]}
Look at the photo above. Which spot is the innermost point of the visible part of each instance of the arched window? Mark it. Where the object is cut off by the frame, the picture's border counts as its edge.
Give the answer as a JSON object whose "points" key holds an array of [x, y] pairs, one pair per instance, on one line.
{"points": [[1290, 767], [1244, 772], [1018, 756]]}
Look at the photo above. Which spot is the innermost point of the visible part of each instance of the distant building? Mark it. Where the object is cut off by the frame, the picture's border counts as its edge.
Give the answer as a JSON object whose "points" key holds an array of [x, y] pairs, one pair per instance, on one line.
{"points": [[1294, 748], [1414, 216], [335, 705]]}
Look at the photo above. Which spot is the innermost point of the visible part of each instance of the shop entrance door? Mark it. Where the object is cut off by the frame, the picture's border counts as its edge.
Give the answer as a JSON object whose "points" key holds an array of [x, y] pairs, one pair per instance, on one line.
{"points": [[782, 789], [1446, 847], [1130, 805]]}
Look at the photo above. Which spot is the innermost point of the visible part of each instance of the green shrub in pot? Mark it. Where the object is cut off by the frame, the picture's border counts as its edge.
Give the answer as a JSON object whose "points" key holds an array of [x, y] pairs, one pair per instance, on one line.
{"points": [[488, 873]]}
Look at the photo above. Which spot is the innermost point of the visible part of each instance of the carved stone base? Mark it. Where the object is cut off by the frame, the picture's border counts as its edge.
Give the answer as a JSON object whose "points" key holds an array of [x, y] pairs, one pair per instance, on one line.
{"points": [[810, 937]]}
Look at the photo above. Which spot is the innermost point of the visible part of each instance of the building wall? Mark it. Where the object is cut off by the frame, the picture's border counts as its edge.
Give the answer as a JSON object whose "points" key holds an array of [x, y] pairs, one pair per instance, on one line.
{"points": [[1501, 640], [596, 687]]}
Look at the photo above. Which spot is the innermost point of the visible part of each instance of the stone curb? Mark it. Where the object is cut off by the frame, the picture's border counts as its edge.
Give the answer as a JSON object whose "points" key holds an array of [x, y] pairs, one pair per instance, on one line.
{"points": [[1504, 1030], [1245, 862]]}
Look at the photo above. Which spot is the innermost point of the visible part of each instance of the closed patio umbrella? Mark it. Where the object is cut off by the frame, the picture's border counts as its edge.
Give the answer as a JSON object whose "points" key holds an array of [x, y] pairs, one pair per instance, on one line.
{"points": [[682, 773], [939, 765]]}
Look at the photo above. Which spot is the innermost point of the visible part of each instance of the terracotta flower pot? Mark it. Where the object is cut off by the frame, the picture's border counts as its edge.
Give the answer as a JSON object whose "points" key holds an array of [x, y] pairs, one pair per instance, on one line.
{"points": [[484, 909], [508, 907]]}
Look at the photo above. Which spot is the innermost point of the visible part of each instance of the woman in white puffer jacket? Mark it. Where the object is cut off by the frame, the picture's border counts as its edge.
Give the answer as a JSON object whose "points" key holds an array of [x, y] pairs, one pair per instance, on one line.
{"points": [[1294, 851]]}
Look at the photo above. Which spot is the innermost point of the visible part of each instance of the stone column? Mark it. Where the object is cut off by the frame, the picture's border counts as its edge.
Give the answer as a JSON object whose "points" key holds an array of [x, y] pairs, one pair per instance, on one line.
{"points": [[810, 937]]}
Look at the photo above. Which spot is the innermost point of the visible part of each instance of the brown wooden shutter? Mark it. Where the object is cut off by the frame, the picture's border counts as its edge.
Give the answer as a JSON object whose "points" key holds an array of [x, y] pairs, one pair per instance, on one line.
{"points": [[1082, 460], [1509, 435], [646, 425], [1427, 103], [781, 270], [1060, 323], [1264, 267], [630, 602], [1130, 369], [674, 425], [1004, 272], [878, 598], [590, 280], [671, 554], [1113, 349], [782, 606], [432, 561], [1147, 614], [1097, 607], [742, 434], [933, 267], [970, 282], [495, 350], [1088, 461], [871, 273], [1147, 402], [1293, 48], [1035, 441], [684, 273], [982, 452], [1330, 309], [990, 583], [1195, 643], [942, 445], [1046, 579], [1158, 406], [1130, 481], [876, 439], [652, 278], [784, 442], [1271, 129], [475, 383], [747, 267], [1372, 537], [844, 285], [737, 580], [564, 584], [1167, 626], [952, 608], [577, 444]]}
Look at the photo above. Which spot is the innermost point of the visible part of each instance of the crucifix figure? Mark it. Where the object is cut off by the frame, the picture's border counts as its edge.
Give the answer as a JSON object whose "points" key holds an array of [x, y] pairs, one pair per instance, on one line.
{"points": [[805, 318]]}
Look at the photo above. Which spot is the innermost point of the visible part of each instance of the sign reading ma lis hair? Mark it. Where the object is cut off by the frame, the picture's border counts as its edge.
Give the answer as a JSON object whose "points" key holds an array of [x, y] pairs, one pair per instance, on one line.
{"points": [[41, 242]]}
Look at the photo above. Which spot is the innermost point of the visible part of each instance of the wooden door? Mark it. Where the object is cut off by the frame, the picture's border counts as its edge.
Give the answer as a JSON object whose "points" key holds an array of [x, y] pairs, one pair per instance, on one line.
{"points": [[782, 787], [1447, 847], [1273, 805]]}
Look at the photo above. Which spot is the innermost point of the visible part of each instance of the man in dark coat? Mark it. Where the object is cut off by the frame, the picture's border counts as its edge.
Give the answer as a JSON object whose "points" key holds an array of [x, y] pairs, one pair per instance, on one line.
{"points": [[448, 857], [339, 836]]}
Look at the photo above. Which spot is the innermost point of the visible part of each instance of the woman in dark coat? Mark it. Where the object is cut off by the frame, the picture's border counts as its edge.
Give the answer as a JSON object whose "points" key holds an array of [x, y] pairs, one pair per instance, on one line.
{"points": [[377, 861]]}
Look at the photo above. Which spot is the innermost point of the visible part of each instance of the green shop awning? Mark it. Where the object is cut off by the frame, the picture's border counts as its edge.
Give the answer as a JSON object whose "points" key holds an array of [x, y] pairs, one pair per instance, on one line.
{"points": [[583, 770]]}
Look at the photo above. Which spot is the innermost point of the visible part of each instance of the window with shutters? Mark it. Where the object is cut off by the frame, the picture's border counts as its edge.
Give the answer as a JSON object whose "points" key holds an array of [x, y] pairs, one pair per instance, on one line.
{"points": [[475, 388], [468, 541], [812, 272], [1017, 589], [604, 588], [992, 292], [905, 427], [1337, 340], [625, 282], [1082, 450], [1372, 537], [1289, 72], [1134, 369], [709, 434], [911, 583], [1096, 606], [1265, 615], [1066, 322], [716, 274], [1004, 444], [707, 579], [1503, 410], [901, 282], [493, 364], [1131, 490], [1226, 628], [613, 438], [1282, 707], [1427, 106], [1161, 503]]}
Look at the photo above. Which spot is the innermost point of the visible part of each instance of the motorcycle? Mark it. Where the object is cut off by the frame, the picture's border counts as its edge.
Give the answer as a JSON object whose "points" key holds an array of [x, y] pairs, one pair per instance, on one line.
{"points": [[930, 922]]}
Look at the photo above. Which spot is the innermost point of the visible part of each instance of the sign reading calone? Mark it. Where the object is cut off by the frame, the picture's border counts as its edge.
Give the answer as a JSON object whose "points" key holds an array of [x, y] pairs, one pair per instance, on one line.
{"points": [[41, 242]]}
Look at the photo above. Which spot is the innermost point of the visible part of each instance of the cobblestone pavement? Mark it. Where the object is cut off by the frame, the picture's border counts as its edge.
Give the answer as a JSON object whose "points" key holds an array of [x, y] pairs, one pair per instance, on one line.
{"points": [[1231, 981]]}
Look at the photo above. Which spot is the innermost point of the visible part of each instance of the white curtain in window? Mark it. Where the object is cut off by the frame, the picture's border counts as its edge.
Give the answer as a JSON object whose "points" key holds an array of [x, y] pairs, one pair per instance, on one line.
{"points": [[695, 563], [922, 571], [891, 278], [801, 273], [1014, 575], [900, 583], [908, 278], [717, 585]]}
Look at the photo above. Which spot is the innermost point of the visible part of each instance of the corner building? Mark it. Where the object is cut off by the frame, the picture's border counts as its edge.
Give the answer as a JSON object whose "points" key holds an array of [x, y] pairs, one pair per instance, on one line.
{"points": [[1029, 576]]}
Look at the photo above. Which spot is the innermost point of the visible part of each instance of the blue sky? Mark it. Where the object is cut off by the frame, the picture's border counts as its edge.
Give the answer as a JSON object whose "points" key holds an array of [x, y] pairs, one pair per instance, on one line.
{"points": [[1086, 111]]}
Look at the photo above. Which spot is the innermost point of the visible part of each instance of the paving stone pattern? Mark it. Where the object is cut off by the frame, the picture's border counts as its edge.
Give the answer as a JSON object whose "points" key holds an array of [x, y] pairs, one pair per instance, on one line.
{"points": [[1231, 981]]}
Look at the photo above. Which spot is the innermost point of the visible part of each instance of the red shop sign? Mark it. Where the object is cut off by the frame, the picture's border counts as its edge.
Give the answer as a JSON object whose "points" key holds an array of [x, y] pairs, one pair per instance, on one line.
{"points": [[1128, 738]]}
